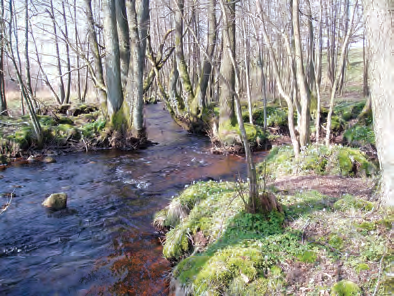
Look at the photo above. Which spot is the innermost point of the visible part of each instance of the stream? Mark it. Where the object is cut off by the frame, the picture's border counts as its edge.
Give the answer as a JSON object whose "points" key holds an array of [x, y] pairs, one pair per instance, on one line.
{"points": [[104, 243]]}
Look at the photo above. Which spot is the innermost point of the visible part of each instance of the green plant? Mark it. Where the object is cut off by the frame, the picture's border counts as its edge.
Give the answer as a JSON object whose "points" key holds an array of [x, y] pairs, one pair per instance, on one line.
{"points": [[345, 288]]}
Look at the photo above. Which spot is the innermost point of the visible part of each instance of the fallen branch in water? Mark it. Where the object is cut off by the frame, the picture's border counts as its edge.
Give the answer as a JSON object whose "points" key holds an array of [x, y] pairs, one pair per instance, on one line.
{"points": [[7, 205]]}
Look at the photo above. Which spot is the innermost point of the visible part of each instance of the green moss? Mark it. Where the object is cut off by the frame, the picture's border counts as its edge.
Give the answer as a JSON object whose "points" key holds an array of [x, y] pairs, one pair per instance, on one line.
{"points": [[307, 257], [369, 226], [345, 163], [66, 131], [65, 120], [333, 160], [349, 202], [361, 267], [230, 134], [46, 120], [336, 241], [24, 137], [345, 288], [90, 130], [337, 124]]}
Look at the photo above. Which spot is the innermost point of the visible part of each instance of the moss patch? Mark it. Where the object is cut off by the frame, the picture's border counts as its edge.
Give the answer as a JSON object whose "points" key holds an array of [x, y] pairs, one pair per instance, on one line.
{"points": [[345, 288], [321, 160]]}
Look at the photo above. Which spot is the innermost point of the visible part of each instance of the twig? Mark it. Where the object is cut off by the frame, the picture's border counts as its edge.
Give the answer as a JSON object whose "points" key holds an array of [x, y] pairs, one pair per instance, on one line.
{"points": [[86, 146], [12, 124], [379, 275], [6, 206]]}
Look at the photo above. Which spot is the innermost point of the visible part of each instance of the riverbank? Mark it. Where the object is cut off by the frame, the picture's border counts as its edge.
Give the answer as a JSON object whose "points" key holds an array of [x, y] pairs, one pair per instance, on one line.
{"points": [[332, 238]]}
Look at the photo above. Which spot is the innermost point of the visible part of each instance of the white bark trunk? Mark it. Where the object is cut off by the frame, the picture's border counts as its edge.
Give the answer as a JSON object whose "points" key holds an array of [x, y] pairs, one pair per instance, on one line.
{"points": [[379, 17]]}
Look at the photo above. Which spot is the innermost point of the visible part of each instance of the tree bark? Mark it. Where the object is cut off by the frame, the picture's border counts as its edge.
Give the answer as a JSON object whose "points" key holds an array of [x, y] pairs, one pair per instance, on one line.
{"points": [[301, 80], [58, 59], [379, 19], [68, 89], [200, 96], [112, 63], [124, 39], [227, 81], [135, 84], [93, 44], [3, 101], [180, 57]]}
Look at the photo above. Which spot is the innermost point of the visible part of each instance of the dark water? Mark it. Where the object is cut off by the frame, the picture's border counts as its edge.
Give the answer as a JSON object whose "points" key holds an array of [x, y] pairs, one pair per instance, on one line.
{"points": [[104, 243]]}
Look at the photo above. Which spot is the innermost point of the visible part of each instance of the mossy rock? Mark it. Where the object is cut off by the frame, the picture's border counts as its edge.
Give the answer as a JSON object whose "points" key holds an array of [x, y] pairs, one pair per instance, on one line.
{"points": [[230, 135], [345, 288], [232, 268], [349, 202], [24, 137], [67, 131]]}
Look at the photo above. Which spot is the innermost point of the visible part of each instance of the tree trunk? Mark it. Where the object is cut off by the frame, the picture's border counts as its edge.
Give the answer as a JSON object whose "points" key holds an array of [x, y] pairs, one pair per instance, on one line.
{"points": [[338, 73], [301, 81], [135, 84], [3, 101], [379, 19], [200, 96], [68, 90], [93, 44], [124, 39], [227, 81], [112, 67], [58, 59], [180, 57], [77, 42], [287, 97]]}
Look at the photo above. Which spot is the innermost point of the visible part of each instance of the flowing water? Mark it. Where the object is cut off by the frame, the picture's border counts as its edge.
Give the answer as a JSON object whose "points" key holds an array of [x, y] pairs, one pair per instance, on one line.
{"points": [[104, 243]]}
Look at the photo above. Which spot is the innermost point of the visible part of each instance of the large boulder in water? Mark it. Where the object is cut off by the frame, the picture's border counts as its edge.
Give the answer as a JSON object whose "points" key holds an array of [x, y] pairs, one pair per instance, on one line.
{"points": [[56, 201]]}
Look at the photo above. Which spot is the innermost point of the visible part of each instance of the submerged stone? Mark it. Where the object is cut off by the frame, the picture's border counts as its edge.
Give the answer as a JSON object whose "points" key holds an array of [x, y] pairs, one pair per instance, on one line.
{"points": [[56, 201], [49, 159]]}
